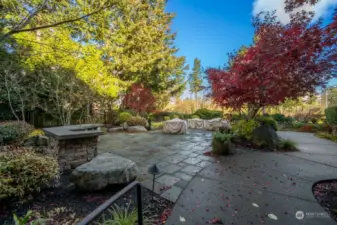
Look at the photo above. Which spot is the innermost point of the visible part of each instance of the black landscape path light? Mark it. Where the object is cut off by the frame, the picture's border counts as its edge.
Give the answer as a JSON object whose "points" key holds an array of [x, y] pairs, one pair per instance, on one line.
{"points": [[154, 171]]}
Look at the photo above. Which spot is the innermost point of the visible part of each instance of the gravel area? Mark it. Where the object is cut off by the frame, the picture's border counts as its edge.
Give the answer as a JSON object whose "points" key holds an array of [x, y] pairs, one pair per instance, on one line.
{"points": [[326, 194]]}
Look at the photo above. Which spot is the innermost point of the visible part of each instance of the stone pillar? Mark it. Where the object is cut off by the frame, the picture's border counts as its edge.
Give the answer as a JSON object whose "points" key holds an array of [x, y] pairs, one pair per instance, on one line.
{"points": [[73, 145], [72, 153]]}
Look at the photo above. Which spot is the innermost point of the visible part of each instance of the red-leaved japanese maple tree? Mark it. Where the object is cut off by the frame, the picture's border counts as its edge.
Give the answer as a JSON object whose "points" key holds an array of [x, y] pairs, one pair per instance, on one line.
{"points": [[139, 99], [285, 61]]}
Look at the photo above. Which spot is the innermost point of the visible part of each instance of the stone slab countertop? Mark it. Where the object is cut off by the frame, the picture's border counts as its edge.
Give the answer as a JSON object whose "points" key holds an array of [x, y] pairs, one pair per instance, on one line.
{"points": [[74, 131]]}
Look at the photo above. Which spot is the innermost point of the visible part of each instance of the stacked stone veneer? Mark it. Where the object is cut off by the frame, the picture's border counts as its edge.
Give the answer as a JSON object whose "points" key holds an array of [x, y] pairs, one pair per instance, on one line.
{"points": [[72, 153]]}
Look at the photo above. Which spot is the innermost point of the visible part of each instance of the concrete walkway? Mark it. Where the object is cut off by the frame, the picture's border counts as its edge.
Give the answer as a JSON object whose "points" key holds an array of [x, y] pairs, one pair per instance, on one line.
{"points": [[260, 188]]}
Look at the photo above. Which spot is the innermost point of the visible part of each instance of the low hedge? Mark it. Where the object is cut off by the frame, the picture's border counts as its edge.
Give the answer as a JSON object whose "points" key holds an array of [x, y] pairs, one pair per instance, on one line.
{"points": [[266, 120], [137, 121], [327, 136], [157, 125], [14, 132], [331, 115], [124, 117], [245, 128], [23, 172], [208, 114], [160, 116]]}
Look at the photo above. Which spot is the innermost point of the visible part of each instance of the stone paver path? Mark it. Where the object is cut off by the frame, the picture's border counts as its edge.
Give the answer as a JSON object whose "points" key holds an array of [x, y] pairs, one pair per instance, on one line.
{"points": [[179, 157], [251, 188]]}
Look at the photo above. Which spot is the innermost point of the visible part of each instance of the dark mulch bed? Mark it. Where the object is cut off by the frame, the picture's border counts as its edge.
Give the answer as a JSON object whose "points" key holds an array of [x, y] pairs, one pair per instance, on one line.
{"points": [[326, 194], [66, 205]]}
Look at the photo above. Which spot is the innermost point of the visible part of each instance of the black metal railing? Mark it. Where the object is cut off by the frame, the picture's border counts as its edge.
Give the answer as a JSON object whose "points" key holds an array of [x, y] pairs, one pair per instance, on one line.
{"points": [[99, 210]]}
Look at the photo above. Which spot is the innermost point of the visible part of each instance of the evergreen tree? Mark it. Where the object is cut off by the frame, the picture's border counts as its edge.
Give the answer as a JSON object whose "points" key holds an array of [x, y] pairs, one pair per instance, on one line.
{"points": [[196, 79]]}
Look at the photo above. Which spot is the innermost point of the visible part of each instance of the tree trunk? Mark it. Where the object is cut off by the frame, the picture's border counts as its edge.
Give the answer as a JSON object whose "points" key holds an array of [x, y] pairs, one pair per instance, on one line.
{"points": [[263, 110], [252, 111], [22, 109], [334, 130], [68, 118], [196, 100]]}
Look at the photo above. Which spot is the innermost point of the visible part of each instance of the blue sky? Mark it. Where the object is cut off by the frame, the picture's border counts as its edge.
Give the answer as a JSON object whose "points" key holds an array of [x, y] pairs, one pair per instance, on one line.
{"points": [[209, 29]]}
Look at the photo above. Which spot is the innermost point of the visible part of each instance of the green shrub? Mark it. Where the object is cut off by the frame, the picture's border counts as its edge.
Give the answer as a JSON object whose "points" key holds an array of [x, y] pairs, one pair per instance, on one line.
{"points": [[14, 132], [279, 117], [331, 115], [314, 120], [208, 114], [195, 117], [321, 127], [327, 136], [126, 216], [124, 117], [221, 148], [112, 117], [130, 111], [173, 116], [23, 172], [183, 116], [23, 220], [159, 116], [245, 128], [288, 119], [288, 145], [222, 137], [238, 117], [166, 118], [157, 125], [297, 125], [221, 143], [150, 116], [137, 121], [265, 120]]}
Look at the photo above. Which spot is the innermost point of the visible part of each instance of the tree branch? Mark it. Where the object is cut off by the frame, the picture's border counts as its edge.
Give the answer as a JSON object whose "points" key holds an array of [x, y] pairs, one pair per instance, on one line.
{"points": [[9, 94], [15, 31], [24, 22]]}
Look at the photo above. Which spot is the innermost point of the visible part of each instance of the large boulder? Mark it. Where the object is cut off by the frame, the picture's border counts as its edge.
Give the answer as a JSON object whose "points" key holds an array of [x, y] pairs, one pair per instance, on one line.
{"points": [[136, 129], [115, 129], [265, 136], [104, 170], [42, 140], [38, 140], [31, 141]]}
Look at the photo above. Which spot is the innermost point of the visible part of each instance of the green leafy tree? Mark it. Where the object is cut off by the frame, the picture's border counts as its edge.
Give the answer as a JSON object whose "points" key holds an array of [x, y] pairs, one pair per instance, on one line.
{"points": [[91, 50], [28, 16], [329, 97], [196, 80]]}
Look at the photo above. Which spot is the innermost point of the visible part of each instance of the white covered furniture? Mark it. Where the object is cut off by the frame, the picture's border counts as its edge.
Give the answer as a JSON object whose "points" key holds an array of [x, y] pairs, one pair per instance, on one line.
{"points": [[209, 124], [196, 123], [212, 125], [175, 126]]}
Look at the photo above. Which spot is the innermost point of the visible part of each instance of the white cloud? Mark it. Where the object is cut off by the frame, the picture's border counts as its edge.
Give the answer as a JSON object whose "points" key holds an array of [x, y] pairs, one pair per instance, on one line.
{"points": [[320, 8]]}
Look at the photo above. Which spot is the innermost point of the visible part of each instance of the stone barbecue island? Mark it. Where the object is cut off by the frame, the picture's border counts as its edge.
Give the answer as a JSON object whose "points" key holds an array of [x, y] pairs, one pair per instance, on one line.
{"points": [[74, 145]]}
